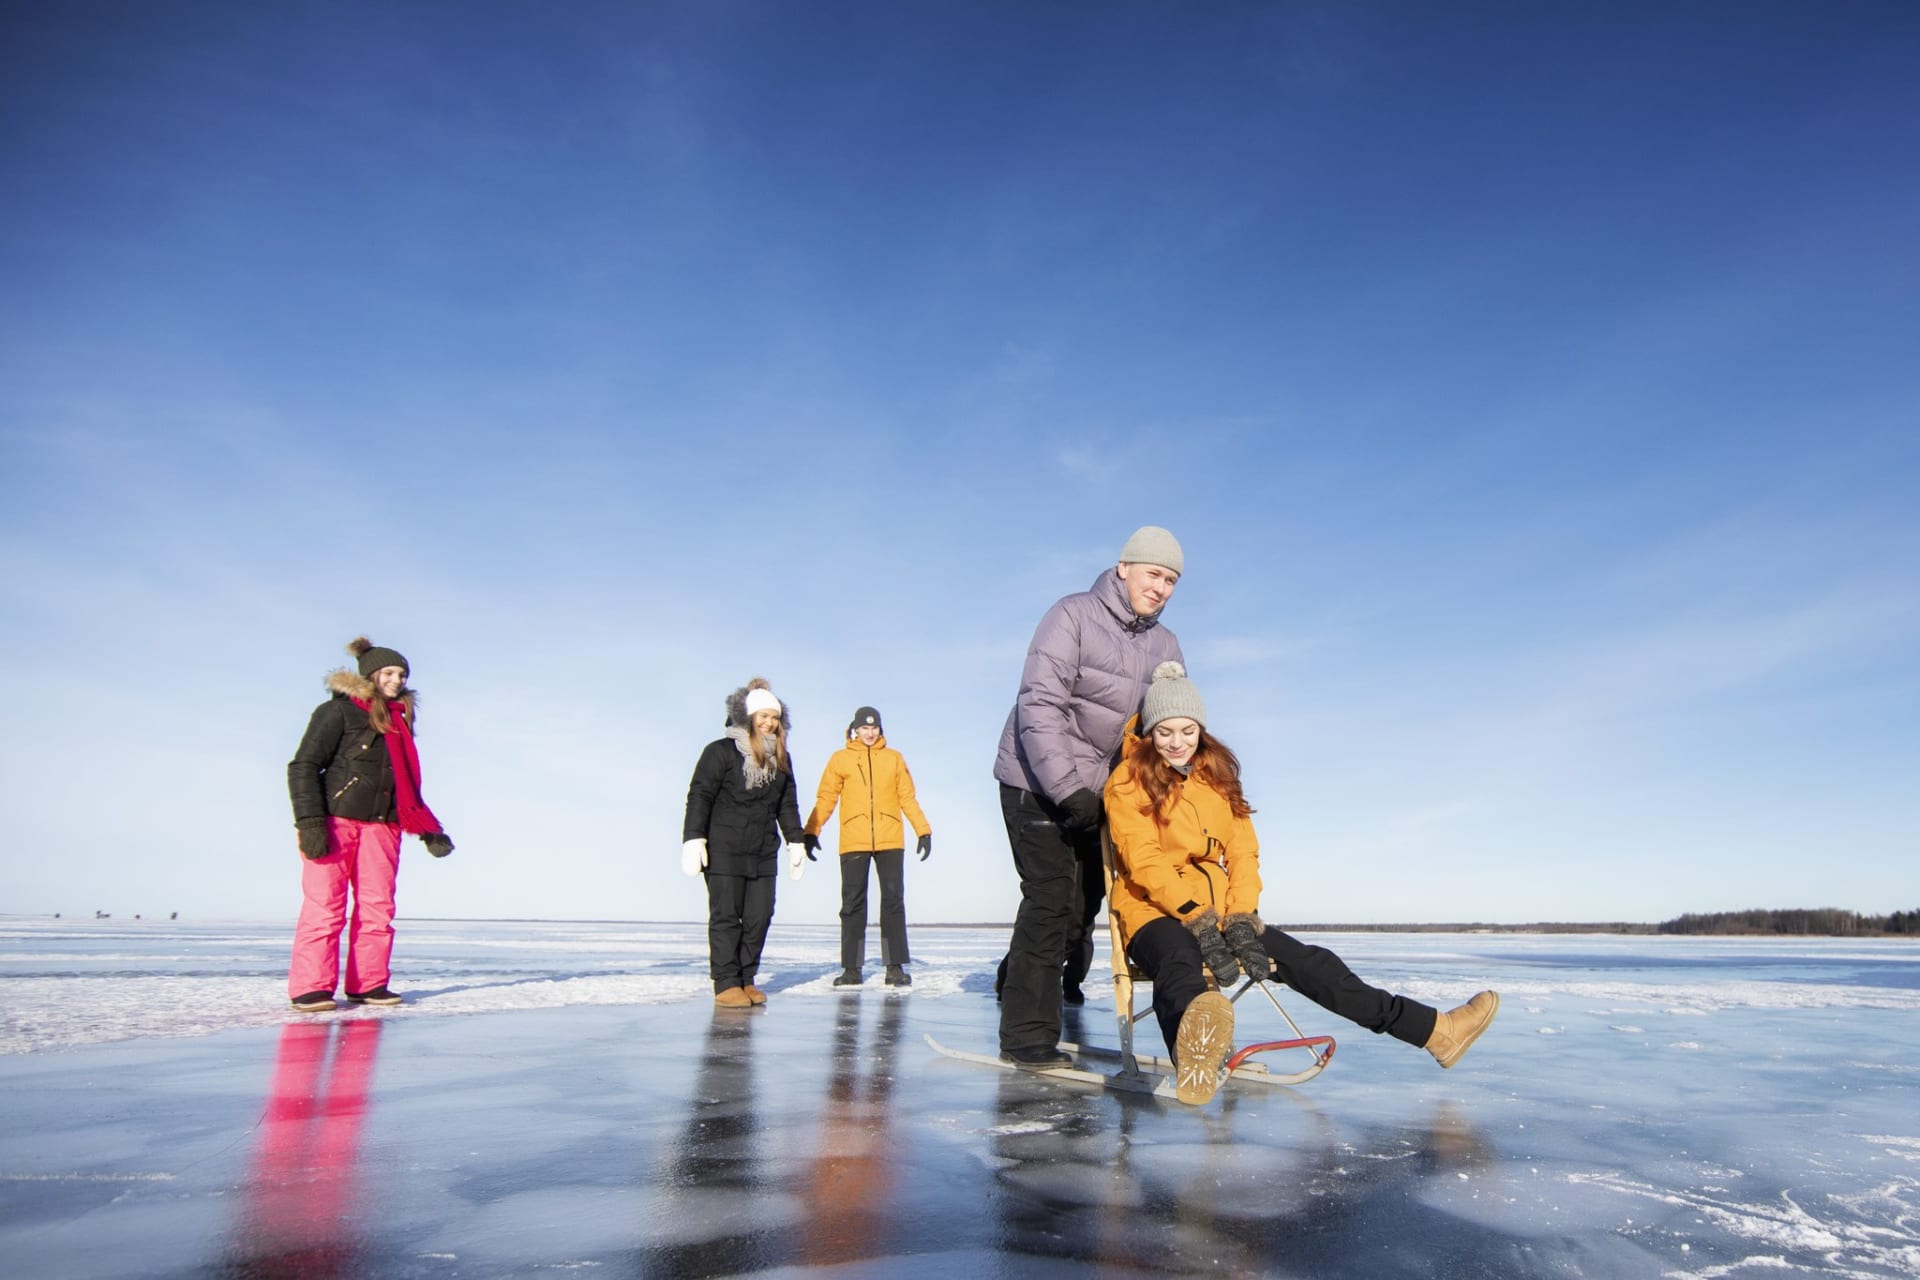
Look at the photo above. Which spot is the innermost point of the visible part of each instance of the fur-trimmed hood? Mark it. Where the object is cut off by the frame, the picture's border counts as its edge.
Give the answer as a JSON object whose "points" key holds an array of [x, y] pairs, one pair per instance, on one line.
{"points": [[351, 684], [737, 705]]}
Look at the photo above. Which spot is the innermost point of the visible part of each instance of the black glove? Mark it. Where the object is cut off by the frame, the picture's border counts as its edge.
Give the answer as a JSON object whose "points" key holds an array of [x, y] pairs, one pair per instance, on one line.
{"points": [[1205, 928], [1081, 811], [813, 846], [1243, 930], [438, 843], [926, 846], [313, 837]]}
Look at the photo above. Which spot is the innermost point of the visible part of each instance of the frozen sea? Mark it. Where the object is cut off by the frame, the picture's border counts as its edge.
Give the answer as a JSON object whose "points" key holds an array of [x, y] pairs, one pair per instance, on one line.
{"points": [[563, 1099]]}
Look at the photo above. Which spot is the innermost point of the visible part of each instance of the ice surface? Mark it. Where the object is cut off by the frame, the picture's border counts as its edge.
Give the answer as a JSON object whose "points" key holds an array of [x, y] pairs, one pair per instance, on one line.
{"points": [[564, 1098]]}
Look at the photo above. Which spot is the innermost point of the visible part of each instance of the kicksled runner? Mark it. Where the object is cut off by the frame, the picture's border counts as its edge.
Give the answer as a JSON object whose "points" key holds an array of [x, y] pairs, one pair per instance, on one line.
{"points": [[1124, 1070]]}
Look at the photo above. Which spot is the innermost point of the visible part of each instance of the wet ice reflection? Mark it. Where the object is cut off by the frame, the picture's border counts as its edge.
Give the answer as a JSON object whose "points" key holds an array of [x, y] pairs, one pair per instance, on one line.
{"points": [[301, 1198]]}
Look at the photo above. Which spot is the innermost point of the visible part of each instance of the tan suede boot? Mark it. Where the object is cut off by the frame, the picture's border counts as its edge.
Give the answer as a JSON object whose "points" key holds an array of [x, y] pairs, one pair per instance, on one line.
{"points": [[733, 998], [1200, 1046], [754, 994], [1455, 1030]]}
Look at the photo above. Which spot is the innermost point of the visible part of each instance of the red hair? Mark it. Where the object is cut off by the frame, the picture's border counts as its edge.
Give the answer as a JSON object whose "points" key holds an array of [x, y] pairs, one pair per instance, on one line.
{"points": [[1214, 765]]}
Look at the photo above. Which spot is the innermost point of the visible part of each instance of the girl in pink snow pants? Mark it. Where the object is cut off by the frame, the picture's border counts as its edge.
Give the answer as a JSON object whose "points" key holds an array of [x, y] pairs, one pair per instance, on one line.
{"points": [[355, 785]]}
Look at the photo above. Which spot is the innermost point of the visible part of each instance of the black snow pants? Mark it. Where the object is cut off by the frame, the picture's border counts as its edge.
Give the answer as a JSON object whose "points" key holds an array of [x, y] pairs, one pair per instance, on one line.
{"points": [[888, 866], [739, 909], [1061, 887]]}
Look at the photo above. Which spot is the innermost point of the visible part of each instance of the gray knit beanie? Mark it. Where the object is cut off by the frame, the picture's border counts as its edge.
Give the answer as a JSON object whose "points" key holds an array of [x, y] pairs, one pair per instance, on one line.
{"points": [[374, 656], [1150, 544], [1171, 696], [865, 715]]}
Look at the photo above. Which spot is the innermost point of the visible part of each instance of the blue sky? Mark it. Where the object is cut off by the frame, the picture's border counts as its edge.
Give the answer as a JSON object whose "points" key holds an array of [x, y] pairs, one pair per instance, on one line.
{"points": [[1531, 386]]}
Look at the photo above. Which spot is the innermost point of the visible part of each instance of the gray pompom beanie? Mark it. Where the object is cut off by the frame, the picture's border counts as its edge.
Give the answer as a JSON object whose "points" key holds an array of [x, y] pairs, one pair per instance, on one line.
{"points": [[1171, 696], [1150, 544]]}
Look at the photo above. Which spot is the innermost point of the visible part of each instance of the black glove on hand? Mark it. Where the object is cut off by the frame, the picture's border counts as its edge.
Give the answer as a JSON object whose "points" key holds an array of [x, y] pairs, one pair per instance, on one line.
{"points": [[1081, 811], [1205, 928], [313, 837], [812, 844], [1243, 930], [438, 843], [926, 846]]}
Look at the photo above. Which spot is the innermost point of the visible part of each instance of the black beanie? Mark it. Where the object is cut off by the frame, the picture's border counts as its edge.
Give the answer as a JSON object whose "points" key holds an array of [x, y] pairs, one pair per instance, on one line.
{"points": [[373, 657], [865, 715]]}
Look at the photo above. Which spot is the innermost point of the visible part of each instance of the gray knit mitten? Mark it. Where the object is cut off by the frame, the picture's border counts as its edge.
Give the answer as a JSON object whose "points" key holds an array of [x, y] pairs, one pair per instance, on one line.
{"points": [[313, 837], [1243, 930], [1205, 928]]}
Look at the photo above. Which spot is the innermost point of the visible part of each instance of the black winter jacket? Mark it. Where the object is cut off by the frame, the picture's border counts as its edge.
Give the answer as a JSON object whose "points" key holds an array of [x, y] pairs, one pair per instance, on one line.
{"points": [[341, 768], [743, 826]]}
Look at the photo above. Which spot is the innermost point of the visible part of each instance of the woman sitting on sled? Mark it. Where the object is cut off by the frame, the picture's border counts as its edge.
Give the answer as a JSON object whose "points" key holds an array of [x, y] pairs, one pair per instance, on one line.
{"points": [[1186, 890]]}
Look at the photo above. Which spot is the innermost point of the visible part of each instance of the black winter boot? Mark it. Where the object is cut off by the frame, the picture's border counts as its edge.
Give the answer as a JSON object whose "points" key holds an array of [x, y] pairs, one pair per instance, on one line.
{"points": [[849, 978], [897, 976]]}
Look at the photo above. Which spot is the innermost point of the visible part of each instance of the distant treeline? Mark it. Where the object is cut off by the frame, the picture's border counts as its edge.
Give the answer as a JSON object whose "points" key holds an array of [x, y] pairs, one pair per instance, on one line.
{"points": [[1823, 922]]}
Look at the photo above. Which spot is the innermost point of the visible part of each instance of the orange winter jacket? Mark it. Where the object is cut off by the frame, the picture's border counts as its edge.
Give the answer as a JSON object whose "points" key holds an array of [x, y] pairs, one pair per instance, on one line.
{"points": [[872, 786], [1193, 855]]}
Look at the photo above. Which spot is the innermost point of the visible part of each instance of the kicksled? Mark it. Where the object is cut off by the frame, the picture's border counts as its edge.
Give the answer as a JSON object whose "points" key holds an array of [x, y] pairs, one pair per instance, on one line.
{"points": [[1124, 1070]]}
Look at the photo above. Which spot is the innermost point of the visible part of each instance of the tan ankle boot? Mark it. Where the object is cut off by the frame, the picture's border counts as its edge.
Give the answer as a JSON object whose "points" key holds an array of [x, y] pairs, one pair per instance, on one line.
{"points": [[1455, 1030], [1200, 1045], [733, 998]]}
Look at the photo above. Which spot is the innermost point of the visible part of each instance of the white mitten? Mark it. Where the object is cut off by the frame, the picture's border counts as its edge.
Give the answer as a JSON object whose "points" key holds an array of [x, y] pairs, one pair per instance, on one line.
{"points": [[693, 856], [797, 860]]}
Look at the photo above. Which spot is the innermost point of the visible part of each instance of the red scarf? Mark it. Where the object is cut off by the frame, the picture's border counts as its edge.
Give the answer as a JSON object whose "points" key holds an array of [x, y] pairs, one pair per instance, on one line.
{"points": [[415, 817]]}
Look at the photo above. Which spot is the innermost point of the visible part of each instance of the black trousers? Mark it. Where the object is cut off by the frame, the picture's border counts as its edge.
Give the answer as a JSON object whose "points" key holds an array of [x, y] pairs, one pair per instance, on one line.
{"points": [[739, 909], [1166, 952], [1061, 887], [888, 865]]}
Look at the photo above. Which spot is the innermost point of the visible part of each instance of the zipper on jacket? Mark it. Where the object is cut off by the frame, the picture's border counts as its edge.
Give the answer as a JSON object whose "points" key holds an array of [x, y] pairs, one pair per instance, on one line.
{"points": [[342, 791], [873, 805]]}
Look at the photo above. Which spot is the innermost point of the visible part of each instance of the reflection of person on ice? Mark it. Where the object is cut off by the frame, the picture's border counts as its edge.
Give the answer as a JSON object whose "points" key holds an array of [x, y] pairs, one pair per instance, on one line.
{"points": [[1187, 892], [355, 784], [869, 782], [1087, 666], [739, 804]]}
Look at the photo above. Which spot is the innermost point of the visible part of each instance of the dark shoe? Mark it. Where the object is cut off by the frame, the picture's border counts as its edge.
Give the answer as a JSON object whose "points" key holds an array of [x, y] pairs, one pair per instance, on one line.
{"points": [[379, 995], [897, 976], [314, 1002], [1038, 1057], [1072, 994], [849, 978]]}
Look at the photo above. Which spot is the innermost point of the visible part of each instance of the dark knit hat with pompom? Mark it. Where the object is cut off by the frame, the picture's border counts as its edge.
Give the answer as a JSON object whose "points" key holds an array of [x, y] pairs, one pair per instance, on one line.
{"points": [[373, 657]]}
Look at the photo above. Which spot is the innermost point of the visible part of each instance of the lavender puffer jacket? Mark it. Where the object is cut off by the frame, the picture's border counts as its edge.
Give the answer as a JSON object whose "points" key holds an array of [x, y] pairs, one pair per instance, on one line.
{"points": [[1087, 670]]}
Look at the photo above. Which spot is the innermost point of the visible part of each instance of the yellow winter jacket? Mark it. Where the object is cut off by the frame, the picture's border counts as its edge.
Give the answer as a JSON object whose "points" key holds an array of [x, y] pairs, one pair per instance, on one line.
{"points": [[872, 786], [1193, 855]]}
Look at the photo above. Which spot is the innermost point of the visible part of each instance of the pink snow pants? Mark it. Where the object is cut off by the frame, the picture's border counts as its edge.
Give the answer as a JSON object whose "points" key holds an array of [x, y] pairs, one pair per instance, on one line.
{"points": [[364, 857]]}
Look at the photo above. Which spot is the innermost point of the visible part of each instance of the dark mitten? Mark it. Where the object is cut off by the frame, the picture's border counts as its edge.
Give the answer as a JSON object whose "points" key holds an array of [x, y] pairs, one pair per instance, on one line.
{"points": [[926, 846], [313, 837], [438, 843], [1081, 811], [1205, 928], [1243, 930], [812, 844]]}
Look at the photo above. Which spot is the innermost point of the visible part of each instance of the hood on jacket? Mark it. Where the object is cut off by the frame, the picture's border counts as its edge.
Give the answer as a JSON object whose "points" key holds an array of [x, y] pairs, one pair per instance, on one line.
{"points": [[348, 683], [737, 717], [1109, 590]]}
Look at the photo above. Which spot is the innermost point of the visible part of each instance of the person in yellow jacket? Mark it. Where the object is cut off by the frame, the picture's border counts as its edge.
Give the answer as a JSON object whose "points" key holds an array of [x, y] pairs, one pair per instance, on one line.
{"points": [[1187, 894], [869, 782]]}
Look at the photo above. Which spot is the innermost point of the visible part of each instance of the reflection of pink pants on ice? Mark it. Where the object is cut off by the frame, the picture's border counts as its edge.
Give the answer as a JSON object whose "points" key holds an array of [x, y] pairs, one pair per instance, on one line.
{"points": [[363, 856]]}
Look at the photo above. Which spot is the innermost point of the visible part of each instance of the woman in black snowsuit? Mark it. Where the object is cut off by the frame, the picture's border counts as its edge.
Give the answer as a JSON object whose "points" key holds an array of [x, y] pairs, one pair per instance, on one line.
{"points": [[740, 804]]}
